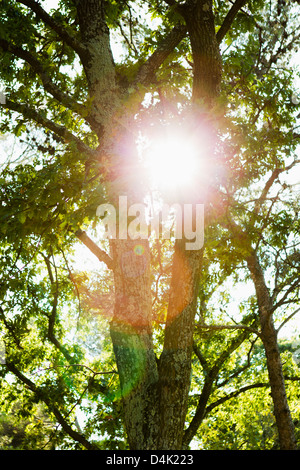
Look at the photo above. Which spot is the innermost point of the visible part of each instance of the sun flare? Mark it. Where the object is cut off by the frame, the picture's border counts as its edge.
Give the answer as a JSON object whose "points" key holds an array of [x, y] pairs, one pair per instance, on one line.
{"points": [[173, 162]]}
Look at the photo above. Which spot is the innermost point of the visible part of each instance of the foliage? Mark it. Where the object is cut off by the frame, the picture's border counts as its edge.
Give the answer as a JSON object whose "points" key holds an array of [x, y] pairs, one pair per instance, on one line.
{"points": [[59, 382]]}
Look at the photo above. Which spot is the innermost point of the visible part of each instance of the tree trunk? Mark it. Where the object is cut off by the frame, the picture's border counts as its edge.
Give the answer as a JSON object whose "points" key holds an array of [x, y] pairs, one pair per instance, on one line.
{"points": [[155, 401], [132, 342], [200, 23], [175, 361], [97, 62], [281, 409], [282, 413], [131, 326], [154, 397]]}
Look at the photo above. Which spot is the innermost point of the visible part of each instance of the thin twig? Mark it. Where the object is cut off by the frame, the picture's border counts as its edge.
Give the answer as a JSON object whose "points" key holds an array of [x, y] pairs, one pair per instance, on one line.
{"points": [[229, 327], [287, 319]]}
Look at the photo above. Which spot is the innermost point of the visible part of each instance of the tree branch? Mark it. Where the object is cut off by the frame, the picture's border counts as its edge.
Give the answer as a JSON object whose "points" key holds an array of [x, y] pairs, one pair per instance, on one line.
{"points": [[44, 397], [266, 189], [52, 316], [98, 252], [241, 369], [270, 182], [286, 294], [200, 356], [64, 98], [147, 70], [57, 129], [74, 43], [287, 319], [233, 395], [171, 2], [229, 327], [207, 63], [229, 18], [83, 366], [210, 374]]}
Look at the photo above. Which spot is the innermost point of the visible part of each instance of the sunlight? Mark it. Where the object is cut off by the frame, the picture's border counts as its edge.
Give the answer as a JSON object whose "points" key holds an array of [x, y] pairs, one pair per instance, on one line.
{"points": [[175, 161]]}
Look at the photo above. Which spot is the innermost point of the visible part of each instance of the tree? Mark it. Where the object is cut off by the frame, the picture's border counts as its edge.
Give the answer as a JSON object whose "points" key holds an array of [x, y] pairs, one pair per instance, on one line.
{"points": [[214, 69]]}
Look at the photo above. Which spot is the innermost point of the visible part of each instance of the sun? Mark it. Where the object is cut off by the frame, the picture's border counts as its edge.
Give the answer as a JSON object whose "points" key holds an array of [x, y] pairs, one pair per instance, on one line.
{"points": [[173, 162]]}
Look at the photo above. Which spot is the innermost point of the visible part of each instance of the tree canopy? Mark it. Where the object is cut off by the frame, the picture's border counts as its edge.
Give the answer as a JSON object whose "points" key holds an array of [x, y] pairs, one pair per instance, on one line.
{"points": [[149, 345]]}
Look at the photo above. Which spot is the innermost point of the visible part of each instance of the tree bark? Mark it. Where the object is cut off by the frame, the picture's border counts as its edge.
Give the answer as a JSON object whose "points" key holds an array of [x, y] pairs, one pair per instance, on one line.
{"points": [[97, 61], [199, 19], [175, 360], [130, 331], [282, 413], [131, 325]]}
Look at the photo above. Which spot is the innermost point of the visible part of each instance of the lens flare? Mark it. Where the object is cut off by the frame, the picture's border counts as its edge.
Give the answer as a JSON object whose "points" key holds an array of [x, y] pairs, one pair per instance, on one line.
{"points": [[172, 163], [139, 250], [177, 159]]}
